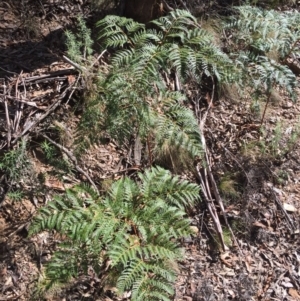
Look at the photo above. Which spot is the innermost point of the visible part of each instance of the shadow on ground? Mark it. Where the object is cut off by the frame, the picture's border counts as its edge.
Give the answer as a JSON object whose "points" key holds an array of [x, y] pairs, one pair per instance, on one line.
{"points": [[32, 32]]}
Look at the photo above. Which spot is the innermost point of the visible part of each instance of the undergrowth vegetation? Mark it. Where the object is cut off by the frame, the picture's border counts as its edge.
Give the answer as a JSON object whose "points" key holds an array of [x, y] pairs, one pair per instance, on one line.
{"points": [[16, 163], [129, 235], [262, 43], [134, 99], [132, 232]]}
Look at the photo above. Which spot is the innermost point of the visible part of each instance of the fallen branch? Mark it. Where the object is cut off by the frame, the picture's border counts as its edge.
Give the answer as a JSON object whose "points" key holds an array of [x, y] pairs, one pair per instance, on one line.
{"points": [[209, 186], [211, 207], [207, 180], [51, 75]]}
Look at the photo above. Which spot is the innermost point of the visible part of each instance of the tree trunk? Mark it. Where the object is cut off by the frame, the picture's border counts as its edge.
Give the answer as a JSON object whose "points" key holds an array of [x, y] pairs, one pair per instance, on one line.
{"points": [[142, 11]]}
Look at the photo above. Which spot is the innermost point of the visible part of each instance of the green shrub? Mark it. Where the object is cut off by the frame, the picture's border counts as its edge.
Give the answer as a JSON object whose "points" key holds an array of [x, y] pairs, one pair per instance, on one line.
{"points": [[79, 45], [15, 163]]}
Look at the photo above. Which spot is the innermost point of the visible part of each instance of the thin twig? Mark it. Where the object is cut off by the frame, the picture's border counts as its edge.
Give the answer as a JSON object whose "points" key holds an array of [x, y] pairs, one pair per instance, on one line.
{"points": [[177, 82], [39, 118], [73, 159], [264, 113], [7, 118], [278, 202], [98, 58], [73, 89], [167, 7], [8, 71], [25, 101], [19, 109], [77, 66], [239, 164]]}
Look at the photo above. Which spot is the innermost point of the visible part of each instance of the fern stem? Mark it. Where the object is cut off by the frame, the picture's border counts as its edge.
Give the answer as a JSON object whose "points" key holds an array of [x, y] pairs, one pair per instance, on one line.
{"points": [[267, 103], [291, 50], [149, 150]]}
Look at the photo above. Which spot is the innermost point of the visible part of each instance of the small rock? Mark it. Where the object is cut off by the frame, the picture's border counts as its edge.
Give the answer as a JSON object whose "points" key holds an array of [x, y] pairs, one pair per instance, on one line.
{"points": [[289, 207], [287, 105], [194, 229]]}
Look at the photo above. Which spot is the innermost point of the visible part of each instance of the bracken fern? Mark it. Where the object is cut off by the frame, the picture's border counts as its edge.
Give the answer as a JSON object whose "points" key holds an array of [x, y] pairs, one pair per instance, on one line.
{"points": [[132, 233], [267, 31], [265, 39], [134, 99]]}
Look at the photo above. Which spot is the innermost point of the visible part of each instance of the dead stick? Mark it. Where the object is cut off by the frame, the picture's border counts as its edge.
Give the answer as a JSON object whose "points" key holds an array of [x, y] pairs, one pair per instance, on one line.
{"points": [[73, 159], [208, 177], [212, 209], [239, 164], [20, 109], [212, 181], [220, 202], [7, 119], [51, 74], [18, 105], [98, 58], [77, 66], [264, 113], [73, 89], [32, 124], [283, 210]]}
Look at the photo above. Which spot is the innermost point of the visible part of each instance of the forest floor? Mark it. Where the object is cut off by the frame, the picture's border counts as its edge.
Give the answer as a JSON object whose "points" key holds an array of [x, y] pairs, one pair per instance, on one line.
{"points": [[257, 168]]}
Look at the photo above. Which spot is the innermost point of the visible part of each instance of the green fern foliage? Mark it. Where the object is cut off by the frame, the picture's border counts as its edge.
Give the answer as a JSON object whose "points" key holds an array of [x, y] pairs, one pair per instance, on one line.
{"points": [[134, 228], [267, 31], [177, 43], [134, 98], [263, 40], [174, 125]]}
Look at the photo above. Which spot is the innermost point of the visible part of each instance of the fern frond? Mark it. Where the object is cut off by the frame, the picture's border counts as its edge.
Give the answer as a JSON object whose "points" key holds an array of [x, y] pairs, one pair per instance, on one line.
{"points": [[135, 227], [179, 128], [266, 30], [119, 31], [123, 57], [175, 25], [167, 187], [130, 274], [147, 63], [267, 73], [267, 40]]}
